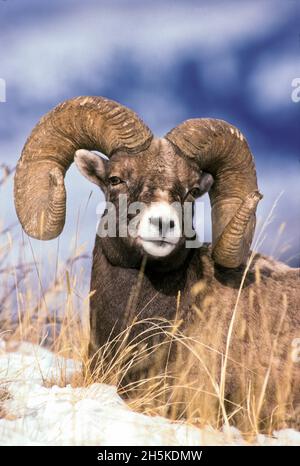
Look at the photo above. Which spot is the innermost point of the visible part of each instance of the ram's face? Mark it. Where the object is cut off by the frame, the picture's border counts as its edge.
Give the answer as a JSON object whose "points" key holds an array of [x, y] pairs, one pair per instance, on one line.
{"points": [[154, 172], [149, 192]]}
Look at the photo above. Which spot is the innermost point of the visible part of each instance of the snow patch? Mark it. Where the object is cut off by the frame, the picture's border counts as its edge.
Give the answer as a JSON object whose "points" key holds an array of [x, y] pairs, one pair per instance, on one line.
{"points": [[35, 414], [34, 363]]}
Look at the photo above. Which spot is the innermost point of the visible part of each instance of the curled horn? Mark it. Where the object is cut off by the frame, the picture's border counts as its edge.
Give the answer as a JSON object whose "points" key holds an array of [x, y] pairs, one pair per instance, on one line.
{"points": [[93, 123], [220, 149]]}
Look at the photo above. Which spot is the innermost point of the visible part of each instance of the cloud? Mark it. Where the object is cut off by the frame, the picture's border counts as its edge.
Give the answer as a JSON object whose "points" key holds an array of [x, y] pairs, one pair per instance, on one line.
{"points": [[50, 53]]}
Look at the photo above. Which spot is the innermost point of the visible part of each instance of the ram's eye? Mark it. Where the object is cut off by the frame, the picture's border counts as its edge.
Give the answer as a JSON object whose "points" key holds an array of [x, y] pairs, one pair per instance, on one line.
{"points": [[195, 192], [114, 180]]}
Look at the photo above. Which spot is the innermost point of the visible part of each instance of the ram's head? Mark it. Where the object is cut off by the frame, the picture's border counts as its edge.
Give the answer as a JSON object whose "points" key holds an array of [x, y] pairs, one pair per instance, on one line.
{"points": [[197, 156]]}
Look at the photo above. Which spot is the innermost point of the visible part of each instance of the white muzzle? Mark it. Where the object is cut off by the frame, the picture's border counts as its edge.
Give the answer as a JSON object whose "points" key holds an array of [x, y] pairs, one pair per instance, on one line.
{"points": [[159, 229]]}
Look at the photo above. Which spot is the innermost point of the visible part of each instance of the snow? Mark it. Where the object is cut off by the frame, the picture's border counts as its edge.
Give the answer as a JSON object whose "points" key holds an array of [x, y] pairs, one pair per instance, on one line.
{"points": [[34, 363], [35, 411]]}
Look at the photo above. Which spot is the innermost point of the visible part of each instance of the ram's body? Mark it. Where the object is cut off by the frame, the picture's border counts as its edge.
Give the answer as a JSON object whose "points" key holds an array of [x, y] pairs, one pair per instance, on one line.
{"points": [[265, 317], [270, 292]]}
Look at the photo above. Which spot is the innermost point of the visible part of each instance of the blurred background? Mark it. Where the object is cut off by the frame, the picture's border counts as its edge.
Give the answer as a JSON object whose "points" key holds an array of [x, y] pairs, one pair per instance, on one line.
{"points": [[168, 60]]}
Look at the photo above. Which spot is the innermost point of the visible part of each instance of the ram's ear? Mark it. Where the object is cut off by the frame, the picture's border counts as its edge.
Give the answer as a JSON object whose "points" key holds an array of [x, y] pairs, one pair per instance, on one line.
{"points": [[206, 182], [92, 166]]}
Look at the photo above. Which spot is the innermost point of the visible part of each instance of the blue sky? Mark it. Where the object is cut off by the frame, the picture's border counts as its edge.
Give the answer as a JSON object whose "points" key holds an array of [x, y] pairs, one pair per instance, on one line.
{"points": [[169, 60]]}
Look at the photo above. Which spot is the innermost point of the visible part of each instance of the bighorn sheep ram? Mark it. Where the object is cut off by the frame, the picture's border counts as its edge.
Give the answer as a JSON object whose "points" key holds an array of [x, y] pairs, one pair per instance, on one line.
{"points": [[197, 156]]}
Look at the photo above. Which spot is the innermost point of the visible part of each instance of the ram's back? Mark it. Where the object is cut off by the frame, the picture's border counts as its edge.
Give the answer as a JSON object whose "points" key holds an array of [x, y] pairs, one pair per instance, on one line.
{"points": [[247, 322]]}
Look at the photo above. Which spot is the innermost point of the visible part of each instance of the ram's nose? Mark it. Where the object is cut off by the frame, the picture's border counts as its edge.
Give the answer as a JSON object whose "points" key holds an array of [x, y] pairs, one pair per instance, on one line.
{"points": [[162, 224]]}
